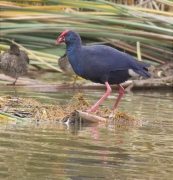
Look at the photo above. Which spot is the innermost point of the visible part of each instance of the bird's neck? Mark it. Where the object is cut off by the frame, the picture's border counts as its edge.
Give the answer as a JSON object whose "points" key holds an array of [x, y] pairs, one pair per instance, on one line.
{"points": [[72, 46], [17, 53], [73, 50]]}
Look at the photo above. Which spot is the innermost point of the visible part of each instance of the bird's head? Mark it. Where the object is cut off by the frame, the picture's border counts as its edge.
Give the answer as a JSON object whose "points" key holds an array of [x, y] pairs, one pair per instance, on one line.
{"points": [[14, 49], [68, 36], [61, 38]]}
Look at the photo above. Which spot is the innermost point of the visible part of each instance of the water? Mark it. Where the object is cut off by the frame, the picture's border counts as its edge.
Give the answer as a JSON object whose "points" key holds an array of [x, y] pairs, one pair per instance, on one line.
{"points": [[89, 152]]}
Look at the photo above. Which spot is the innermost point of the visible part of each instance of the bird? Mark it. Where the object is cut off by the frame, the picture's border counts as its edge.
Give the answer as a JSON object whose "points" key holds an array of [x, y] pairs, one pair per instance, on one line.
{"points": [[101, 64], [14, 62], [65, 66]]}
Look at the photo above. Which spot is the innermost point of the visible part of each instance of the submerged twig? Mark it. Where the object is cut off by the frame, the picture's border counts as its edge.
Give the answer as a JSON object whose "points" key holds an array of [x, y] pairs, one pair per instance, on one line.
{"points": [[12, 116]]}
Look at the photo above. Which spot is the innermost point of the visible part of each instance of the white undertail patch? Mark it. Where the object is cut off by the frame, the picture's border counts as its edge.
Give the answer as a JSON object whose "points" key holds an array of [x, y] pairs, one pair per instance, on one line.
{"points": [[132, 73]]}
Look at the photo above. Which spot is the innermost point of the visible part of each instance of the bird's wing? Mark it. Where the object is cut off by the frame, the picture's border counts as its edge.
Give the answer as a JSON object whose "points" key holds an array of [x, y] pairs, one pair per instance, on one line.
{"points": [[113, 60], [24, 55], [108, 56]]}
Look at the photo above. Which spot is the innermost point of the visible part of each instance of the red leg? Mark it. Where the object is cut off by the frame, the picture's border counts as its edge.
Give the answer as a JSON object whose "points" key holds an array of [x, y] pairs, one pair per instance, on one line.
{"points": [[121, 92], [109, 90]]}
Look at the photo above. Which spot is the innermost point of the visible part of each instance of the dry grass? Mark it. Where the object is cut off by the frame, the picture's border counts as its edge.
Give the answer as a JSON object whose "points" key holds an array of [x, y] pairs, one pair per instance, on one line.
{"points": [[33, 110]]}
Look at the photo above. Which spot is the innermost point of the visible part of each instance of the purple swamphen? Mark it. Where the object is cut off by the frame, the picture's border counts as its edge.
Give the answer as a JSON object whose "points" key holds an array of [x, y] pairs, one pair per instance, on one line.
{"points": [[101, 64]]}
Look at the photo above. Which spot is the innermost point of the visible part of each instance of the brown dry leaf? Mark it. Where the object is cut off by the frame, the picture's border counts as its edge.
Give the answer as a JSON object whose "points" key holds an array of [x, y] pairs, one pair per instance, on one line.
{"points": [[27, 107]]}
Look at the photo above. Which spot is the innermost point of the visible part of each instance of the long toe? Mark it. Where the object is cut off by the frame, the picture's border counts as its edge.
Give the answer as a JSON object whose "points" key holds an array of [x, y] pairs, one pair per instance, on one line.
{"points": [[11, 84]]}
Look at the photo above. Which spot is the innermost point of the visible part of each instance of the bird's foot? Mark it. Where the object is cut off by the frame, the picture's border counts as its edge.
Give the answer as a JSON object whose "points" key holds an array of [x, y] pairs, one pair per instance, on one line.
{"points": [[74, 85], [113, 113], [11, 84]]}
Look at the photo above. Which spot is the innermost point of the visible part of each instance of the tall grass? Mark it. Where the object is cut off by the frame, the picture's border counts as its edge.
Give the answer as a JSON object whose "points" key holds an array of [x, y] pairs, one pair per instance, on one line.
{"points": [[35, 24]]}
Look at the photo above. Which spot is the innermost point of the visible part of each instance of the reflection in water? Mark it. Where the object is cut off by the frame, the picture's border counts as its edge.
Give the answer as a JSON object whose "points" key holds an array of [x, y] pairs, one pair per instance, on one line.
{"points": [[56, 150], [93, 151]]}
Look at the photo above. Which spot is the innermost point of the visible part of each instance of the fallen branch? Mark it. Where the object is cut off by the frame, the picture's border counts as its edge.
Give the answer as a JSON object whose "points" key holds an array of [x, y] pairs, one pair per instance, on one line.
{"points": [[152, 82], [92, 117]]}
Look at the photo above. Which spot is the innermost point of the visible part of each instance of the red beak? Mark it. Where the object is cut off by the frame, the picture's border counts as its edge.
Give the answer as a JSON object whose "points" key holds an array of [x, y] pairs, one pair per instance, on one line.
{"points": [[61, 38]]}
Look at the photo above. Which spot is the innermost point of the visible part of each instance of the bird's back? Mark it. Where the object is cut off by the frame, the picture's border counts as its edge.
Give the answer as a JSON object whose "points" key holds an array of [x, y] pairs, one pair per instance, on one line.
{"points": [[100, 63]]}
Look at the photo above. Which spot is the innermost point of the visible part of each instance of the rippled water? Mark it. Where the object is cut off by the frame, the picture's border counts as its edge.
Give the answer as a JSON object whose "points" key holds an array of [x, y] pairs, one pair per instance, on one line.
{"points": [[57, 152]]}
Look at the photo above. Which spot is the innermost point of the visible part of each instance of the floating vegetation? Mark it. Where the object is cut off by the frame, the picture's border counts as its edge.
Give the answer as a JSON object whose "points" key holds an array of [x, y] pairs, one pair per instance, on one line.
{"points": [[74, 111]]}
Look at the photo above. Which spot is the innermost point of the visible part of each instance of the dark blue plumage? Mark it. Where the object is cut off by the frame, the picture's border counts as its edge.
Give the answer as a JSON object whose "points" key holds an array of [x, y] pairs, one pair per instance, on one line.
{"points": [[100, 63]]}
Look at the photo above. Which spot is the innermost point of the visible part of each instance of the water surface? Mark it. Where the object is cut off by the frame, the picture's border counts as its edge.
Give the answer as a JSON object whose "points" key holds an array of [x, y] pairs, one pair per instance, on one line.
{"points": [[57, 152]]}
